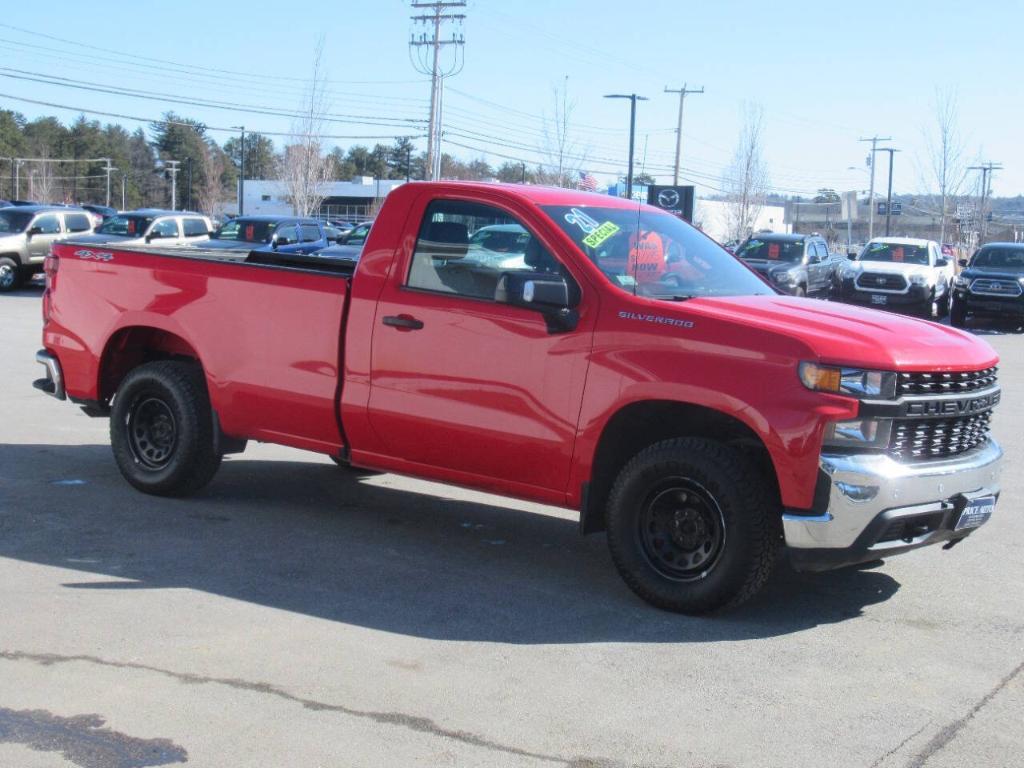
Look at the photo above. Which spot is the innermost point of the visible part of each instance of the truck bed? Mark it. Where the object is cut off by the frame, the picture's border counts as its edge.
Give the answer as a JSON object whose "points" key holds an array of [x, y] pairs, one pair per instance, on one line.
{"points": [[219, 307]]}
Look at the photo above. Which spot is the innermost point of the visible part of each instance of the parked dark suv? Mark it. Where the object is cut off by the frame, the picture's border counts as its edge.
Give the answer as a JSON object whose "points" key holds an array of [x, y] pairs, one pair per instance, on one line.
{"points": [[991, 284], [797, 264]]}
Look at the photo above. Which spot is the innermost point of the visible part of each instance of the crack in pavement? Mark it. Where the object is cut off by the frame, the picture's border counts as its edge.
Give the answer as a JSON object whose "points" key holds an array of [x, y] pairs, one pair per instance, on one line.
{"points": [[948, 733], [398, 719]]}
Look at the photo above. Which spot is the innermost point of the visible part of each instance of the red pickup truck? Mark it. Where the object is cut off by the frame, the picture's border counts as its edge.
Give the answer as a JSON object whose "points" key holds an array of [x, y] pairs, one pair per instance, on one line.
{"points": [[584, 351]]}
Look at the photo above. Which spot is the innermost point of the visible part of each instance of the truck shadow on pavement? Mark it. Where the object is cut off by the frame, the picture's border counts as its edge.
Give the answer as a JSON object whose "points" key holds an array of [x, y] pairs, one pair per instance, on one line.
{"points": [[311, 538]]}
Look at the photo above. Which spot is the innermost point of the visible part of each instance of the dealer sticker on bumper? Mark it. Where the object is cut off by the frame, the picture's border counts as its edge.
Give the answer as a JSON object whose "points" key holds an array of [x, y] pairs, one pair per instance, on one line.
{"points": [[977, 512]]}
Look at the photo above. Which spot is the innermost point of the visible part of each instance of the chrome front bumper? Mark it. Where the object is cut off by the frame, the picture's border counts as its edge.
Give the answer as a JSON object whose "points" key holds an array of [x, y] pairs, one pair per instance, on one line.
{"points": [[53, 384], [872, 495]]}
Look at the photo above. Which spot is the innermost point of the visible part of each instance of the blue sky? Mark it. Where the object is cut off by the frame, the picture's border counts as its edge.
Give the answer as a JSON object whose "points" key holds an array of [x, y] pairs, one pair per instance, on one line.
{"points": [[824, 74]]}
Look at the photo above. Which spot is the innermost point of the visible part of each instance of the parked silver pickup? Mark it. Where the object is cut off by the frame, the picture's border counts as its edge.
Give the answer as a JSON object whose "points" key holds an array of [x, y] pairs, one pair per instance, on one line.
{"points": [[26, 233]]}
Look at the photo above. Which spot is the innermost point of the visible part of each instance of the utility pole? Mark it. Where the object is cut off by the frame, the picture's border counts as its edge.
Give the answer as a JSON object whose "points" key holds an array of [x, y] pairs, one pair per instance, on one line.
{"points": [[871, 193], [108, 170], [173, 170], [188, 197], [987, 170], [888, 204], [683, 92], [440, 13], [633, 99], [241, 172], [124, 178]]}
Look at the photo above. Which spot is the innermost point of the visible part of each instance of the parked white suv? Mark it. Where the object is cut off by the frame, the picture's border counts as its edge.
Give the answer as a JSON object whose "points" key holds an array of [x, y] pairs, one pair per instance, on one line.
{"points": [[149, 225], [900, 273]]}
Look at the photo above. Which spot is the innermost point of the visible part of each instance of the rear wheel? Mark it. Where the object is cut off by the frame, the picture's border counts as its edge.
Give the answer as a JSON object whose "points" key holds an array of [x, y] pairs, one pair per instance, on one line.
{"points": [[11, 275], [161, 429], [692, 526]]}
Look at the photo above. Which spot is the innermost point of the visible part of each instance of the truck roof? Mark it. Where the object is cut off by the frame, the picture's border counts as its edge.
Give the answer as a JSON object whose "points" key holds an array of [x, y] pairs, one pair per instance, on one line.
{"points": [[48, 208], [536, 194]]}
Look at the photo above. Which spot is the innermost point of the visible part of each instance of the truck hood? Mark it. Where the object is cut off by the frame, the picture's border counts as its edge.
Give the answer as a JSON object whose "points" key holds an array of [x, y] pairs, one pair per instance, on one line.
{"points": [[855, 336]]}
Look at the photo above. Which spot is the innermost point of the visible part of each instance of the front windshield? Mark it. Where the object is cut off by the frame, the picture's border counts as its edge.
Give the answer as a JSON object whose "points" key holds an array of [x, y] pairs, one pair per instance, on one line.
{"points": [[1011, 259], [13, 221], [771, 250], [246, 230], [654, 254], [128, 226], [899, 253]]}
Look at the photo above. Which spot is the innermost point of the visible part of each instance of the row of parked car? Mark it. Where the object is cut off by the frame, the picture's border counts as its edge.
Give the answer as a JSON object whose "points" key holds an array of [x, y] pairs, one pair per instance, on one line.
{"points": [[28, 230], [896, 273]]}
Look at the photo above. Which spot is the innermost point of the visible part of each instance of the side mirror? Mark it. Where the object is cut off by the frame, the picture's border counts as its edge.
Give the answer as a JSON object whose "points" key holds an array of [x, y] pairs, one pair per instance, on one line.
{"points": [[963, 263], [153, 236], [851, 255], [540, 291], [943, 262], [34, 231]]}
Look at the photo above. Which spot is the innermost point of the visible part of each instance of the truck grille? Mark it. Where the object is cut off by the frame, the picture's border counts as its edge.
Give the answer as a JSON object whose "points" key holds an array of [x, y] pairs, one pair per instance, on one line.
{"points": [[944, 383], [938, 438], [880, 281], [986, 287]]}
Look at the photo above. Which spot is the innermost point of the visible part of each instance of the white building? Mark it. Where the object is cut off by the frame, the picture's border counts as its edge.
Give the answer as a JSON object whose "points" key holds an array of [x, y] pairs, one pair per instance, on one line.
{"points": [[712, 216], [347, 200]]}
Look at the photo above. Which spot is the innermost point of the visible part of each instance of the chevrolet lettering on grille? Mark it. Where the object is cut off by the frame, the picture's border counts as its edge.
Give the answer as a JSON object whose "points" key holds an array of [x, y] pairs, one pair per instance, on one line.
{"points": [[952, 407]]}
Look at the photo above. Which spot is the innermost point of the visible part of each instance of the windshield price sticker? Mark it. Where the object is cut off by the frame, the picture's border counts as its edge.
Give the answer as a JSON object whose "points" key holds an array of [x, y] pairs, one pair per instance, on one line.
{"points": [[773, 250], [897, 254], [599, 235]]}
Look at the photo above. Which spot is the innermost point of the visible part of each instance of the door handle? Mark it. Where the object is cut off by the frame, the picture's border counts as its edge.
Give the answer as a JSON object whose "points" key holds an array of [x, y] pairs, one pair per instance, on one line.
{"points": [[403, 322]]}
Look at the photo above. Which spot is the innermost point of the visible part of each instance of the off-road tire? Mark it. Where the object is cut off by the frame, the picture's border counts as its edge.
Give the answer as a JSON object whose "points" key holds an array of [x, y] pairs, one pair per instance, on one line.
{"points": [[161, 429], [11, 274], [749, 512]]}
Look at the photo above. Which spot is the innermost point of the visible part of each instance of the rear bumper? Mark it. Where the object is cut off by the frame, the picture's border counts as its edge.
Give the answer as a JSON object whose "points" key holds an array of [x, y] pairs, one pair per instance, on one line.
{"points": [[53, 383], [878, 507]]}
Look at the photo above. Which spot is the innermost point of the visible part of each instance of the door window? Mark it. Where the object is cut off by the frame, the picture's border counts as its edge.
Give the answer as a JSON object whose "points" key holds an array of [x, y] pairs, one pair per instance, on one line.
{"points": [[165, 228], [464, 248], [194, 227], [286, 234], [48, 224], [309, 233], [77, 222]]}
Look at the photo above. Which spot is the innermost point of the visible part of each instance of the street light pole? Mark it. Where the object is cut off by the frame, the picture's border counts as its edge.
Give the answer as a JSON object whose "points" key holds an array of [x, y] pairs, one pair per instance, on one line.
{"points": [[633, 99], [871, 193]]}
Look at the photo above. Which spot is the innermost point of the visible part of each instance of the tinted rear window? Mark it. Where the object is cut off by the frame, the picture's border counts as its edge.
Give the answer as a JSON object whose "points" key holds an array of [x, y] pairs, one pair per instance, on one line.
{"points": [[77, 222], [194, 227], [130, 226]]}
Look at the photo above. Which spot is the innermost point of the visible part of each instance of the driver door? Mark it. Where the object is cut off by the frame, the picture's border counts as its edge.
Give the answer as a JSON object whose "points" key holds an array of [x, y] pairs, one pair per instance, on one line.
{"points": [[49, 231], [462, 380]]}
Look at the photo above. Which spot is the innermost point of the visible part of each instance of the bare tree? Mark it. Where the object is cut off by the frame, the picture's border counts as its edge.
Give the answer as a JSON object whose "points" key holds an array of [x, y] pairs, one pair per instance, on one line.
{"points": [[947, 169], [746, 178], [41, 182], [305, 167], [211, 192], [564, 153]]}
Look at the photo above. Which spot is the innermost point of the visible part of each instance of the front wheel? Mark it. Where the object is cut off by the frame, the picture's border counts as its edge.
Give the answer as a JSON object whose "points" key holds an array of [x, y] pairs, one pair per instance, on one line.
{"points": [[161, 429], [692, 526], [958, 315], [11, 275]]}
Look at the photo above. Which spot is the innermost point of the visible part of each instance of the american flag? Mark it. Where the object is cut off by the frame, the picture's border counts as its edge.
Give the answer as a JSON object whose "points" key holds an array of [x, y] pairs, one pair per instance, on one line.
{"points": [[587, 182]]}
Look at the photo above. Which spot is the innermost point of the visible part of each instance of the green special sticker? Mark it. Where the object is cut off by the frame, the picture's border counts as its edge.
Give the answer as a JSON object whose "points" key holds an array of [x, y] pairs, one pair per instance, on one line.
{"points": [[600, 234]]}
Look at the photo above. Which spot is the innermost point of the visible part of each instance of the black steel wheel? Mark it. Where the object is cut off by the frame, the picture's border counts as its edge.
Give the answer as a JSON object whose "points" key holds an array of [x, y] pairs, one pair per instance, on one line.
{"points": [[681, 530], [152, 431], [161, 429]]}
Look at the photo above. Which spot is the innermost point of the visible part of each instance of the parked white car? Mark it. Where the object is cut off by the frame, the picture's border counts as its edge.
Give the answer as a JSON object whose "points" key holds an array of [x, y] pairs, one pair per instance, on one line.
{"points": [[899, 273], [148, 225]]}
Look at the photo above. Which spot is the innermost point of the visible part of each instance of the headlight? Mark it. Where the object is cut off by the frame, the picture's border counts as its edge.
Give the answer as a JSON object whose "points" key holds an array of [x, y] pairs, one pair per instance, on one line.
{"points": [[859, 433], [919, 280], [854, 382], [782, 277], [963, 282]]}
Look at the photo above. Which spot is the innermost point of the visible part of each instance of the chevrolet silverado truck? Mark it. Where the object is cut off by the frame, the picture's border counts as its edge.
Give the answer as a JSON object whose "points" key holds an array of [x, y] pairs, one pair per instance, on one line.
{"points": [[628, 367]]}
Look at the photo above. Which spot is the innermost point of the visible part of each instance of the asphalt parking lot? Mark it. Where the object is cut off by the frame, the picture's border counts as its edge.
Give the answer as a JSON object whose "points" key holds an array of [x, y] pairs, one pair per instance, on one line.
{"points": [[293, 615]]}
